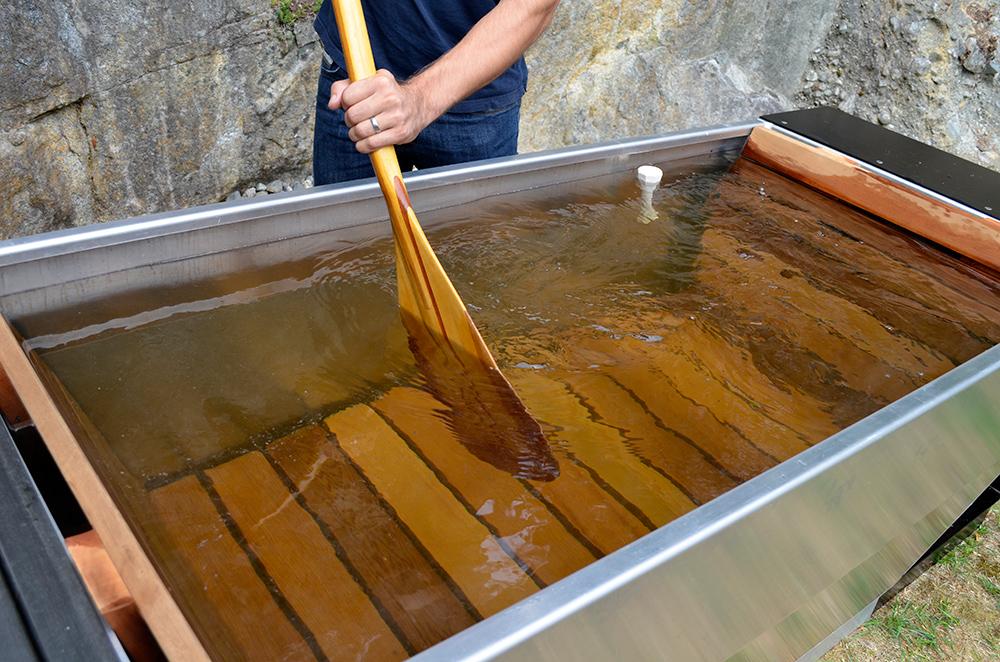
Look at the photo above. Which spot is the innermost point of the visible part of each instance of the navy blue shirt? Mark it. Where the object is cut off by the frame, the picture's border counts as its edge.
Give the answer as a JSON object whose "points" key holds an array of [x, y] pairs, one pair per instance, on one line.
{"points": [[408, 35]]}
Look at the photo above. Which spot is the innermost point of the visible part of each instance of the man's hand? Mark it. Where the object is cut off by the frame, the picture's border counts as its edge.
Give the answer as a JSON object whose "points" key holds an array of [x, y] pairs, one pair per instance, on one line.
{"points": [[399, 110]]}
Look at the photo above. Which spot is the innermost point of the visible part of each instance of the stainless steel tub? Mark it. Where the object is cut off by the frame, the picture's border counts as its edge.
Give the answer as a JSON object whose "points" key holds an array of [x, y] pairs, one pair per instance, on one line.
{"points": [[778, 568]]}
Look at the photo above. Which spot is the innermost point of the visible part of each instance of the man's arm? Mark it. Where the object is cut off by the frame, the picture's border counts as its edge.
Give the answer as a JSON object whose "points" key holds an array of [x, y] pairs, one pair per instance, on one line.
{"points": [[403, 110]]}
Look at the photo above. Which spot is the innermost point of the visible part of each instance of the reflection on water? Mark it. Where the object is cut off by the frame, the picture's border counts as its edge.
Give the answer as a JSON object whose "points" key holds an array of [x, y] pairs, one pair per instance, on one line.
{"points": [[305, 488]]}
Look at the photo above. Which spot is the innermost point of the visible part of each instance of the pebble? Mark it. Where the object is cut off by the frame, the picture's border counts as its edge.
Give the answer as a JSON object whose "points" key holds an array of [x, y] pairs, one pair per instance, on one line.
{"points": [[884, 117], [276, 186]]}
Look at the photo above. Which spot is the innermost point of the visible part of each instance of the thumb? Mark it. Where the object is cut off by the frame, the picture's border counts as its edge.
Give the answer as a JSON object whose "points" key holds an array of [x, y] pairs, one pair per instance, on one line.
{"points": [[336, 93]]}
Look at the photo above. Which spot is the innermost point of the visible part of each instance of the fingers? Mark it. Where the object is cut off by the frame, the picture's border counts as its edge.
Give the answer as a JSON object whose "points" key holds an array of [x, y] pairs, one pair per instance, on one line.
{"points": [[344, 93], [375, 105], [365, 129], [394, 136], [382, 97], [337, 93], [381, 83]]}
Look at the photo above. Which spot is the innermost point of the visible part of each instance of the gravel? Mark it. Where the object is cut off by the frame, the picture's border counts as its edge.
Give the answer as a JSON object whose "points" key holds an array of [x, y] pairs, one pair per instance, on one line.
{"points": [[275, 186]]}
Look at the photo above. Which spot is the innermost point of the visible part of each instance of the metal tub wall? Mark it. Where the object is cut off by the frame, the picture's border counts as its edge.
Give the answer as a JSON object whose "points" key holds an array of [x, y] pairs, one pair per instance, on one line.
{"points": [[770, 569], [767, 571]]}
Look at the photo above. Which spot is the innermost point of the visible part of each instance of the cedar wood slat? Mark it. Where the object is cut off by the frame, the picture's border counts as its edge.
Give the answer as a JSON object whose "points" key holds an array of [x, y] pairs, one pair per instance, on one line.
{"points": [[972, 235]]}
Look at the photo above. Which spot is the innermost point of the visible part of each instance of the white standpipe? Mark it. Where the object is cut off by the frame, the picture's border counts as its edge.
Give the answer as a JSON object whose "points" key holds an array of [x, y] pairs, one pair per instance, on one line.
{"points": [[649, 178]]}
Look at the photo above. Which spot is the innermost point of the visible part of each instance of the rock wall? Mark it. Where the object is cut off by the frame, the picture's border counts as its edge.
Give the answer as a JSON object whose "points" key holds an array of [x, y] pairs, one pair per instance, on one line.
{"points": [[609, 68], [111, 108], [930, 70], [614, 68], [114, 108]]}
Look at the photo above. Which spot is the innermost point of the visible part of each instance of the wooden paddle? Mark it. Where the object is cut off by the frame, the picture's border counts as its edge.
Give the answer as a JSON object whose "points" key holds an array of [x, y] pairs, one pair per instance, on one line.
{"points": [[485, 412]]}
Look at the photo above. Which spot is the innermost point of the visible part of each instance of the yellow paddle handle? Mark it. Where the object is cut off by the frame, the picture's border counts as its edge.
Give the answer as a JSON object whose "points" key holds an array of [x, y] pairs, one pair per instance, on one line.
{"points": [[425, 291], [361, 65]]}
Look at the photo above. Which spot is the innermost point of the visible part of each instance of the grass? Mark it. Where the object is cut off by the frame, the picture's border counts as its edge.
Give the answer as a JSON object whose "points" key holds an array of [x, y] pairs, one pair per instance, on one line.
{"points": [[951, 612], [290, 11], [992, 588], [916, 628], [959, 557]]}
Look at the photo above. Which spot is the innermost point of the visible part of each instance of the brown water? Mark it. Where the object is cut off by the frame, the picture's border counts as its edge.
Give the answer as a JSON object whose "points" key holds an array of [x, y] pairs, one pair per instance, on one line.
{"points": [[305, 495]]}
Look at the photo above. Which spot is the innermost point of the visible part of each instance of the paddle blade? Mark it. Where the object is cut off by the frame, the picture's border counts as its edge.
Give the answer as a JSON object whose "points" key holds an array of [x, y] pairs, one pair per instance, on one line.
{"points": [[482, 408]]}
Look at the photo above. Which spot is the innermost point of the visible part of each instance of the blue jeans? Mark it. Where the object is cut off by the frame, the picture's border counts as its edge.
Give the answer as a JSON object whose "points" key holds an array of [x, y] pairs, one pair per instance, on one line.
{"points": [[452, 138]]}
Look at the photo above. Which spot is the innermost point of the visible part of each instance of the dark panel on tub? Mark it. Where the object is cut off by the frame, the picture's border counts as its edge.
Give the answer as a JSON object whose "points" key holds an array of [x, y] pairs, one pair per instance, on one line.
{"points": [[13, 630], [50, 483], [912, 160], [53, 607]]}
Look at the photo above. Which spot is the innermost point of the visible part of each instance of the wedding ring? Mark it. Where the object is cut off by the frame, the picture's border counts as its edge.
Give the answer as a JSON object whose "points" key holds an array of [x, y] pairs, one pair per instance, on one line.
{"points": [[375, 125]]}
